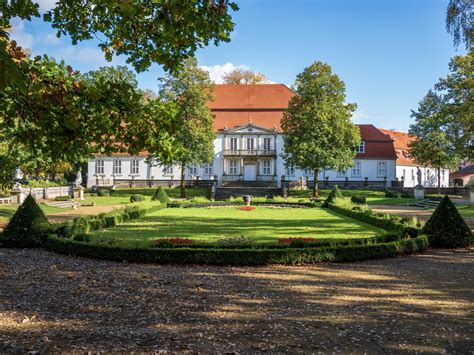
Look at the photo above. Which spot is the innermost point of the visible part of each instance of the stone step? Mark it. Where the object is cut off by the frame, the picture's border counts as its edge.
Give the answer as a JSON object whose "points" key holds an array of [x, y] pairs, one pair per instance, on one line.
{"points": [[426, 203]]}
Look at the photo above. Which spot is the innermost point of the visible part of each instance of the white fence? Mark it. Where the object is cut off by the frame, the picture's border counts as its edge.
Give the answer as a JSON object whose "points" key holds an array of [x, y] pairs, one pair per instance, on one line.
{"points": [[48, 193]]}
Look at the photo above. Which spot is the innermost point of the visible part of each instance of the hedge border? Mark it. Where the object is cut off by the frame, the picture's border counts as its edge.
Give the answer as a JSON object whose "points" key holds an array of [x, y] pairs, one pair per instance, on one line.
{"points": [[238, 257]]}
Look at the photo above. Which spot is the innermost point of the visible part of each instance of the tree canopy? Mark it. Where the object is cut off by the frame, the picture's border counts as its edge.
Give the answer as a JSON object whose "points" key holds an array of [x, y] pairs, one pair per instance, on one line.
{"points": [[319, 133], [432, 145], [460, 22], [247, 77], [190, 90]]}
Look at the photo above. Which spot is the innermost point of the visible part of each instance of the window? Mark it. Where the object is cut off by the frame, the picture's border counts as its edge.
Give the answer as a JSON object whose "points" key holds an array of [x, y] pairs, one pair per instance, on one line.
{"points": [[412, 174], [250, 143], [117, 168], [267, 167], [134, 168], [266, 144], [208, 169], [192, 170], [290, 171], [356, 169], [233, 143], [233, 167], [99, 166], [361, 147], [382, 169], [341, 174], [404, 174], [168, 170], [308, 172]]}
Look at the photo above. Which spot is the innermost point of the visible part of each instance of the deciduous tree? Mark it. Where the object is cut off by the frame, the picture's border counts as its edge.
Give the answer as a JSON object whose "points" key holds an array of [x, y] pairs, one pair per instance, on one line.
{"points": [[460, 21], [432, 145], [191, 90], [319, 133], [241, 76]]}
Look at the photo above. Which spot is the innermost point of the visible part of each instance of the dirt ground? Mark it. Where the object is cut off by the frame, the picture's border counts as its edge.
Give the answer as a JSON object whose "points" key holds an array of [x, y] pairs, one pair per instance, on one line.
{"points": [[420, 303]]}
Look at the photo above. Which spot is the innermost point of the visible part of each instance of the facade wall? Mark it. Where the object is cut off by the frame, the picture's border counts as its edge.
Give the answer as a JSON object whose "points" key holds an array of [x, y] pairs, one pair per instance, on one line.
{"points": [[369, 169]]}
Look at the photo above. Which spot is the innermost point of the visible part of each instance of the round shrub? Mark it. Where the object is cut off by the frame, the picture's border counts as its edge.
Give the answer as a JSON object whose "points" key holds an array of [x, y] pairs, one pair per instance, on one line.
{"points": [[388, 238], [62, 198], [392, 194], [161, 196], [137, 198], [337, 192], [358, 200], [28, 227], [446, 228]]}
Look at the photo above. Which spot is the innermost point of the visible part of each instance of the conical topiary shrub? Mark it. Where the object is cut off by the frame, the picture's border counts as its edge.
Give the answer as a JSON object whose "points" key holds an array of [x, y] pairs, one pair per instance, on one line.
{"points": [[160, 195], [28, 227], [446, 228], [335, 193]]}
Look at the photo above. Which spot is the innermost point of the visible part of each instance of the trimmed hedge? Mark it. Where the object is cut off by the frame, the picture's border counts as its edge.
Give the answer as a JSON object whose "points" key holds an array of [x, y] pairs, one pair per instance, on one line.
{"points": [[358, 200], [392, 194], [86, 224], [137, 198], [381, 220], [62, 198], [215, 256]]}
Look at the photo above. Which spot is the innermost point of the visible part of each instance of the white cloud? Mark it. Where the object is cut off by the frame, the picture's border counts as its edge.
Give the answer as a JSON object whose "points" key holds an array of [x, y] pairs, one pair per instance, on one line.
{"points": [[360, 116], [46, 5], [50, 38], [83, 55], [22, 38], [217, 71]]}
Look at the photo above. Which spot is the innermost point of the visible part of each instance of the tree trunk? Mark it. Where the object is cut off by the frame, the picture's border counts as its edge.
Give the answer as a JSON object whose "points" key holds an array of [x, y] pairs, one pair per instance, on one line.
{"points": [[315, 184], [183, 183], [439, 181], [37, 171]]}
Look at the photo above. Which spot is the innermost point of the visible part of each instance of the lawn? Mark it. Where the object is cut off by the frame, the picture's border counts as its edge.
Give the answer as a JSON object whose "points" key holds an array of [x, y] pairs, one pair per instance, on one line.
{"points": [[466, 211], [373, 197], [263, 224]]}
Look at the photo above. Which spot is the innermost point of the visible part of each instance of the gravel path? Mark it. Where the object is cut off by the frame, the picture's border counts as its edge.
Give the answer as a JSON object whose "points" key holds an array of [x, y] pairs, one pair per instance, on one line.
{"points": [[421, 303]]}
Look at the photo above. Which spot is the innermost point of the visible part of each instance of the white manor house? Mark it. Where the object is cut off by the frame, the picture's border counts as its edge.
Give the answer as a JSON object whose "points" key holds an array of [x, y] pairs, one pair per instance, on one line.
{"points": [[248, 150]]}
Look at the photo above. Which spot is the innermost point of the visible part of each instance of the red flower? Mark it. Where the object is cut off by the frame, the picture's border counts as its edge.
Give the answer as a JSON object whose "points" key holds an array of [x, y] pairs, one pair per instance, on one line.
{"points": [[174, 241], [247, 208]]}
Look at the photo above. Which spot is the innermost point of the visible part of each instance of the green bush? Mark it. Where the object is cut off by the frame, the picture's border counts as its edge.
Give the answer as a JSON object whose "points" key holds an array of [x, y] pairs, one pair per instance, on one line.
{"points": [[446, 228], [378, 219], [247, 256], [335, 193], [358, 200], [137, 198], [392, 194], [161, 196], [62, 198], [235, 241], [103, 193], [28, 227], [409, 232]]}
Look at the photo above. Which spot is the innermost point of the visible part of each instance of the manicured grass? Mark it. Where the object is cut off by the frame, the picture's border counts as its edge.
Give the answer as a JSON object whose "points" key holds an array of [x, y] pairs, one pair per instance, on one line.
{"points": [[263, 224], [466, 211], [373, 197], [172, 193], [7, 211]]}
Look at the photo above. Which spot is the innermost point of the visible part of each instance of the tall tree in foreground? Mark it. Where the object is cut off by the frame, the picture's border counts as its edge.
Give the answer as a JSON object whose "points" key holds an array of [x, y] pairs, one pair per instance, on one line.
{"points": [[246, 77], [319, 133], [460, 22], [191, 90], [432, 145]]}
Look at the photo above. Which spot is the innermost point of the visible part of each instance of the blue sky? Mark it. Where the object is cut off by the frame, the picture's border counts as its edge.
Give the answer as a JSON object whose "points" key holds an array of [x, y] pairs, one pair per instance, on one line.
{"points": [[388, 52]]}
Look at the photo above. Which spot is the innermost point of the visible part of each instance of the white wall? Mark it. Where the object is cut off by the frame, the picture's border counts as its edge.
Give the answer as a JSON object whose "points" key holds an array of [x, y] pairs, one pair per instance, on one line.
{"points": [[368, 168], [429, 176]]}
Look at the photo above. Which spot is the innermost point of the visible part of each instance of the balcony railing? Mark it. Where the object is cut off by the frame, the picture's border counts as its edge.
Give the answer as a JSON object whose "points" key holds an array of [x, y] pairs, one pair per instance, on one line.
{"points": [[250, 152]]}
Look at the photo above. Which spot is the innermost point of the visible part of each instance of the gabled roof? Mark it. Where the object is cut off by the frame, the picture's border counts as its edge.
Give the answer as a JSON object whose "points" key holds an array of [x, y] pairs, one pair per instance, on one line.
{"points": [[401, 141]]}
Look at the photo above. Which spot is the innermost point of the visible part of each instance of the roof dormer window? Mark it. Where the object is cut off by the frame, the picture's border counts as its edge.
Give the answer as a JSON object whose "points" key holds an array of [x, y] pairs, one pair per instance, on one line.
{"points": [[361, 147]]}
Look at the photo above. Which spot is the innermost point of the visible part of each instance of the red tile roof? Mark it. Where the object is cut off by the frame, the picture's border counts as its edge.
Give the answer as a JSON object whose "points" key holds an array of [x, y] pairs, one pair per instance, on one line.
{"points": [[401, 141]]}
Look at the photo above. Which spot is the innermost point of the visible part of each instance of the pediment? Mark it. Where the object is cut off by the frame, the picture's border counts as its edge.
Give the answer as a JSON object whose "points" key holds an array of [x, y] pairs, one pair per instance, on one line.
{"points": [[250, 129]]}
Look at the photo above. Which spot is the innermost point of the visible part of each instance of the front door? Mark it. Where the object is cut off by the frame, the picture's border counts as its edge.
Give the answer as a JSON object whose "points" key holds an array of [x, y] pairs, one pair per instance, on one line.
{"points": [[250, 172]]}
